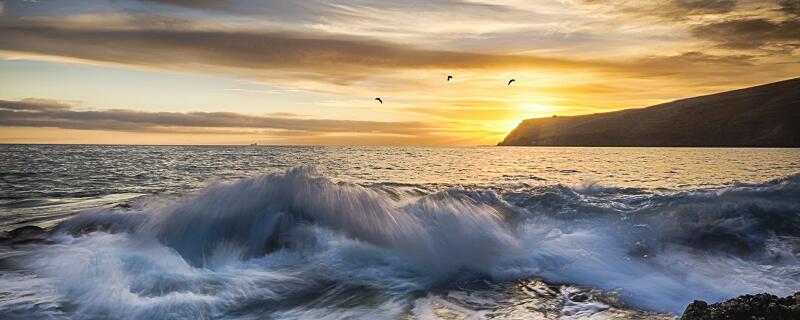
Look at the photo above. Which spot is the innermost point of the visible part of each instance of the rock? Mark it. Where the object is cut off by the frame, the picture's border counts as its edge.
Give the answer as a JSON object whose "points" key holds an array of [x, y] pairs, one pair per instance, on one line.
{"points": [[124, 205], [26, 234], [580, 297], [763, 116], [697, 310], [760, 307]]}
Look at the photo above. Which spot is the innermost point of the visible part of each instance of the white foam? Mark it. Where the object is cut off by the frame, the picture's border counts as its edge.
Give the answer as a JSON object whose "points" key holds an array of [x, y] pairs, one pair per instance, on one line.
{"points": [[298, 245]]}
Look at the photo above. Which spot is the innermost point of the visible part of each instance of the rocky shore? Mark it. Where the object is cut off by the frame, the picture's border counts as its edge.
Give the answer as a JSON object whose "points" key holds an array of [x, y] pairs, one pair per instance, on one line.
{"points": [[756, 307]]}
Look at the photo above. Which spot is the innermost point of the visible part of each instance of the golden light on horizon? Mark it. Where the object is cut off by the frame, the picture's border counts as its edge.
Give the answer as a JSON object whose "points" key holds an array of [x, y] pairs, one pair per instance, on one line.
{"points": [[536, 110], [304, 80]]}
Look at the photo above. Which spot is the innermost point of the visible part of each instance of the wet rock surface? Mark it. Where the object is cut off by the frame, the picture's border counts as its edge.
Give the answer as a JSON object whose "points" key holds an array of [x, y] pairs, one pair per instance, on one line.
{"points": [[26, 234], [760, 306]]}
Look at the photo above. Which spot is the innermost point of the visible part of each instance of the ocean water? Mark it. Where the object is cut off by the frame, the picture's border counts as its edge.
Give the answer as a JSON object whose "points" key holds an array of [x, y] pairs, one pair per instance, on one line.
{"points": [[237, 232]]}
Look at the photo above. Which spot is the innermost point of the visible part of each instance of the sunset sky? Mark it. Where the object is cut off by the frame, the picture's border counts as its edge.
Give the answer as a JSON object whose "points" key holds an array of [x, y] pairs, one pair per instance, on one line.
{"points": [[307, 72]]}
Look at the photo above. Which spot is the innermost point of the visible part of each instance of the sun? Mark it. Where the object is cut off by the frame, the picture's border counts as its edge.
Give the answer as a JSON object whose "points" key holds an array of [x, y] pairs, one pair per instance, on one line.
{"points": [[536, 110], [524, 111]]}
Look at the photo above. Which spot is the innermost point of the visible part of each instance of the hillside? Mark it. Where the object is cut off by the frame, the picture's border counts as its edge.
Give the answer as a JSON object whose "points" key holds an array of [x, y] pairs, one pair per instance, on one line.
{"points": [[762, 116]]}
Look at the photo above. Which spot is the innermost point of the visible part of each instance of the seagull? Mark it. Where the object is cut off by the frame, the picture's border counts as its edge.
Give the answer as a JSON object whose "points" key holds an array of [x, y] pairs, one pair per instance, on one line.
{"points": [[510, 81], [379, 100], [449, 77]]}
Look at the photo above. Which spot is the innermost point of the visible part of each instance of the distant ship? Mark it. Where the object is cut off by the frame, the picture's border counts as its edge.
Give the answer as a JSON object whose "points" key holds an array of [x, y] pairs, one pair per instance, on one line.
{"points": [[253, 144]]}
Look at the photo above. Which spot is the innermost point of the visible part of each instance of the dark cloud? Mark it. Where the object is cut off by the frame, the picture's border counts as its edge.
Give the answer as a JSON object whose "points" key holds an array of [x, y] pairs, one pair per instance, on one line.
{"points": [[285, 114], [695, 59], [790, 7], [667, 9], [33, 105], [191, 3], [751, 33], [30, 113], [703, 6], [277, 57], [744, 29], [341, 59]]}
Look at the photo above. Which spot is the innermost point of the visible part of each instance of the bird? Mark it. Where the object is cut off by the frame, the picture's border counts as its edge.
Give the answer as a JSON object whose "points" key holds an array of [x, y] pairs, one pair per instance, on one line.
{"points": [[510, 81], [379, 100], [449, 77]]}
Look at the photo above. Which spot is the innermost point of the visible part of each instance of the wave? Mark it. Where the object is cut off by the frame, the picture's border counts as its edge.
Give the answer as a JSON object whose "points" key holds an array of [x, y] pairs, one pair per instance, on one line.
{"points": [[257, 216], [297, 244]]}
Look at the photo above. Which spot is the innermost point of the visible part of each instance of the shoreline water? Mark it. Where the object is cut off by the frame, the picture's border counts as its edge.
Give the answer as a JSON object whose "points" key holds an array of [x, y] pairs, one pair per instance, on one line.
{"points": [[546, 299], [344, 242]]}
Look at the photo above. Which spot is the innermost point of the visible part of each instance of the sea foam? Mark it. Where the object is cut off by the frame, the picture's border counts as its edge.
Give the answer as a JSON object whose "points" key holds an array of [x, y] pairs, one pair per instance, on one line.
{"points": [[297, 244]]}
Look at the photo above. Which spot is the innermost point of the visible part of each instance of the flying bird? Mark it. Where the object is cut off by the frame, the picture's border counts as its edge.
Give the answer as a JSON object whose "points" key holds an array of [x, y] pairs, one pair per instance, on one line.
{"points": [[379, 100], [449, 77], [510, 81]]}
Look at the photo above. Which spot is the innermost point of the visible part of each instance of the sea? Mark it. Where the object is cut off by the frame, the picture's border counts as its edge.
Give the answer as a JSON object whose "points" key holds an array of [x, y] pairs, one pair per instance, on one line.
{"points": [[308, 232]]}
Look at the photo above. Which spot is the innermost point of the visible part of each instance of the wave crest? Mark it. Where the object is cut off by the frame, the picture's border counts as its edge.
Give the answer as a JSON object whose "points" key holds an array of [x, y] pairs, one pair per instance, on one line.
{"points": [[278, 237], [256, 216]]}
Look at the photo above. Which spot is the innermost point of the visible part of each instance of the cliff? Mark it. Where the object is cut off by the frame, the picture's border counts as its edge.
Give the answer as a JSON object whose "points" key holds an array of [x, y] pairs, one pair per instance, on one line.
{"points": [[762, 116]]}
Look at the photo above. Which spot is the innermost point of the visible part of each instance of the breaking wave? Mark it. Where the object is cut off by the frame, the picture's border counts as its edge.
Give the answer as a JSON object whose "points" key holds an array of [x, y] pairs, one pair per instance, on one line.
{"points": [[296, 245]]}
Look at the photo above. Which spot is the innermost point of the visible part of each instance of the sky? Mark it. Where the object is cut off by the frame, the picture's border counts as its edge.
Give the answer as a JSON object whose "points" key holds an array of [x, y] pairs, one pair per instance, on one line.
{"points": [[308, 72]]}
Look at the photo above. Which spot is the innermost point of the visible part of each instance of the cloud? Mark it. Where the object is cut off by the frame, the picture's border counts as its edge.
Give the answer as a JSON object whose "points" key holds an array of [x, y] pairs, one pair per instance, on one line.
{"points": [[191, 3], [44, 113], [678, 8], [789, 7], [667, 9], [321, 56], [33, 105], [751, 33], [318, 62], [730, 24], [696, 59]]}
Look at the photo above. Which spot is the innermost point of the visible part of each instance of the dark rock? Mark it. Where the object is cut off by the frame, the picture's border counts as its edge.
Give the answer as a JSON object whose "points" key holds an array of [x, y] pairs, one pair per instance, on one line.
{"points": [[124, 205], [697, 310], [26, 234], [760, 306], [580, 297], [762, 116]]}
